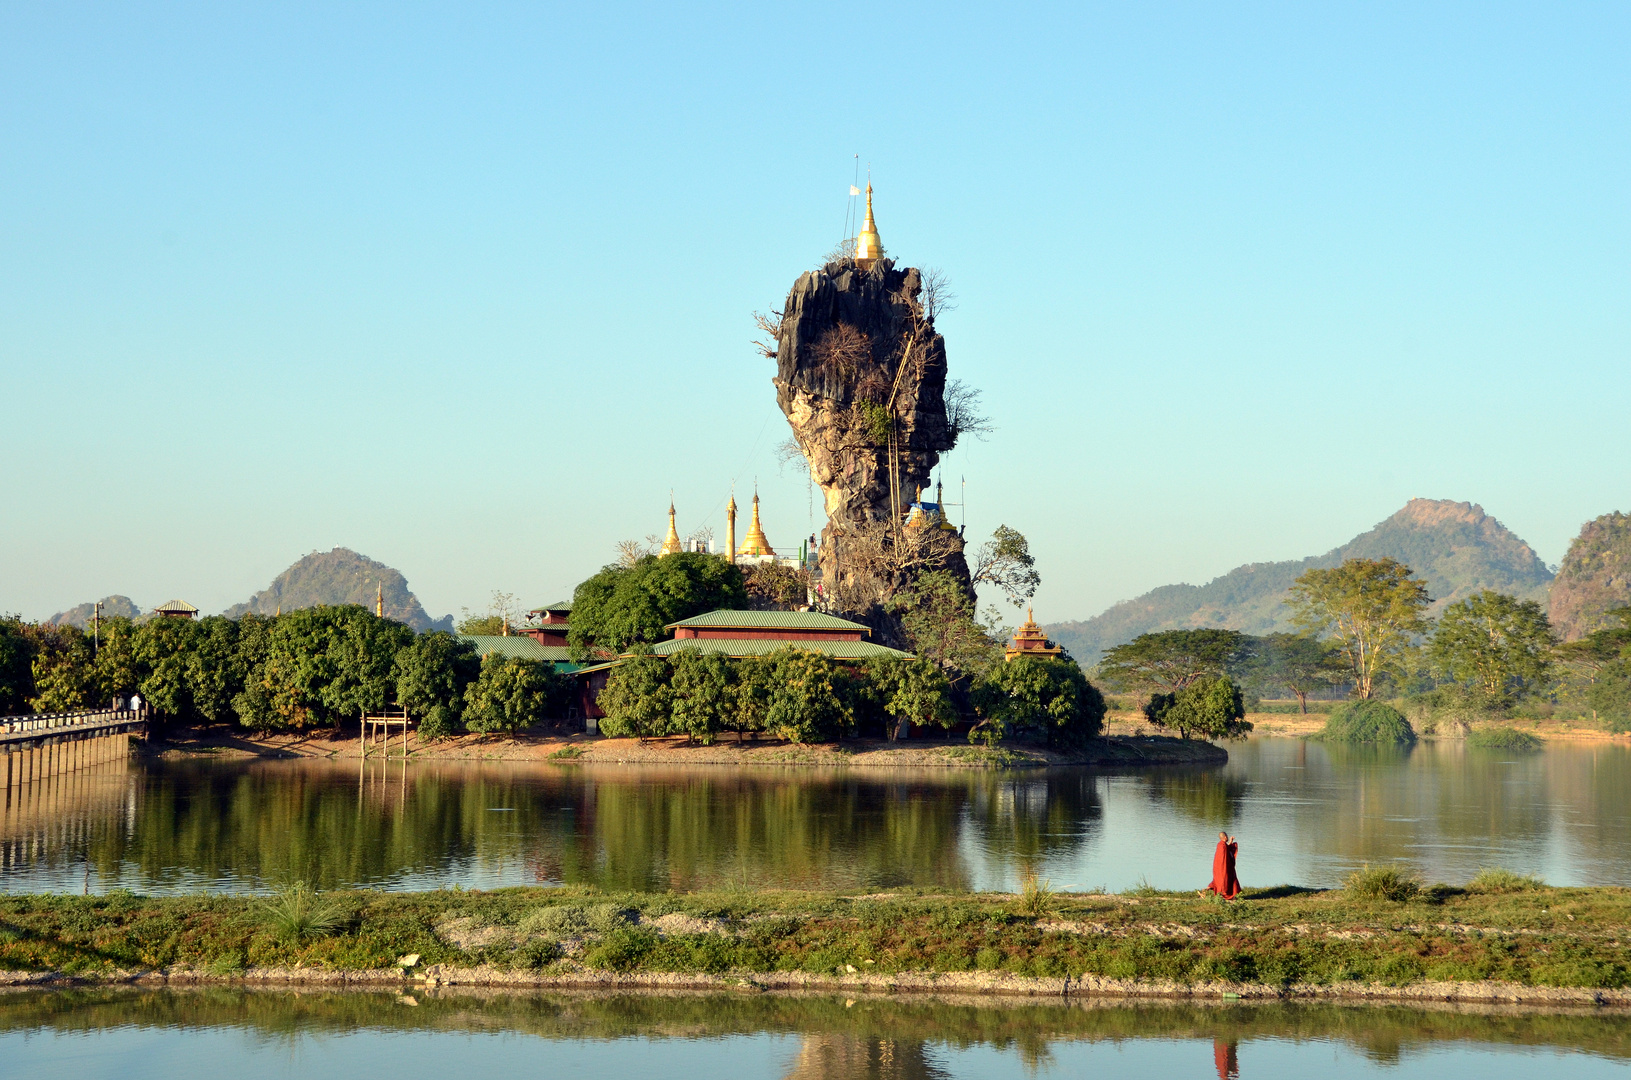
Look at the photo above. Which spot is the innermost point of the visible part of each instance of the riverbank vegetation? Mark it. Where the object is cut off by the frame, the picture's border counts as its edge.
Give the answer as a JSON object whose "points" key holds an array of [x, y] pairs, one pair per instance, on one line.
{"points": [[1489, 658], [1501, 928]]}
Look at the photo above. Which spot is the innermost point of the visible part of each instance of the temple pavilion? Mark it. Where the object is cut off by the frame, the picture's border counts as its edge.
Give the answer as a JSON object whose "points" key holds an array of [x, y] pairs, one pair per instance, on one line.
{"points": [[1029, 640]]}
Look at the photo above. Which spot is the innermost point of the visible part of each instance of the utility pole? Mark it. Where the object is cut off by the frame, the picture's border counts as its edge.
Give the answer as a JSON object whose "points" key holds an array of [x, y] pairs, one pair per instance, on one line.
{"points": [[96, 628]]}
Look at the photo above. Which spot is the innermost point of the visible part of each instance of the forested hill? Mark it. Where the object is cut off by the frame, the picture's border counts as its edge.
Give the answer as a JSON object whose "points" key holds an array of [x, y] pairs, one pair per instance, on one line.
{"points": [[340, 576], [112, 607], [1455, 546]]}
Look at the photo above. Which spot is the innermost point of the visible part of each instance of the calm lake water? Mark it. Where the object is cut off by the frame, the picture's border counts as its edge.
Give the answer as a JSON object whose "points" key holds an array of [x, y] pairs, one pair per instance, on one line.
{"points": [[1304, 814], [162, 1035]]}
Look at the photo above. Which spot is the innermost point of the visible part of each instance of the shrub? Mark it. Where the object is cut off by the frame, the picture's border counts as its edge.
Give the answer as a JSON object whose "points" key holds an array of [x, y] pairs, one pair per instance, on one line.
{"points": [[637, 699], [1382, 883], [439, 723], [808, 698], [1368, 722], [1503, 738], [297, 912], [1494, 879], [1207, 708], [565, 920]]}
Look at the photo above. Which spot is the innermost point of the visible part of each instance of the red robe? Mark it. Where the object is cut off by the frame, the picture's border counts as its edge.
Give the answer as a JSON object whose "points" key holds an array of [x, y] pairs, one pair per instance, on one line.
{"points": [[1223, 1056], [1224, 882]]}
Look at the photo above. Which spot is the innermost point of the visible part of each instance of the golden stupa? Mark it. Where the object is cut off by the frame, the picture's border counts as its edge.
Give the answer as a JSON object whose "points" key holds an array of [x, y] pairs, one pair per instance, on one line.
{"points": [[671, 543], [868, 245], [756, 544]]}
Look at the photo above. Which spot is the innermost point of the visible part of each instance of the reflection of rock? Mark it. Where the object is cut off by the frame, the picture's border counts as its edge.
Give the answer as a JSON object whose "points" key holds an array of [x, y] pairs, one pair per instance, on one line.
{"points": [[825, 1056], [861, 377]]}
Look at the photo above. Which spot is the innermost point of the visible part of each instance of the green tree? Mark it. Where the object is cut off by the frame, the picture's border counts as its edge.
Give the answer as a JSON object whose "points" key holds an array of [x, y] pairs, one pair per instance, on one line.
{"points": [[937, 616], [1036, 695], [161, 649], [1493, 643], [808, 697], [16, 666], [1300, 663], [753, 679], [432, 673], [637, 700], [1168, 661], [702, 693], [215, 671], [1209, 708], [910, 692], [321, 665], [511, 694], [117, 672], [1372, 607], [623, 606], [1602, 662], [63, 672], [1005, 562]]}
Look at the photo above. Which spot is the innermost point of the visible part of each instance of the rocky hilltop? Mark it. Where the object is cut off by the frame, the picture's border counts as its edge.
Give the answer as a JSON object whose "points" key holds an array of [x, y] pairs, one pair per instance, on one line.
{"points": [[861, 378], [1455, 546], [1595, 577], [340, 576], [115, 606]]}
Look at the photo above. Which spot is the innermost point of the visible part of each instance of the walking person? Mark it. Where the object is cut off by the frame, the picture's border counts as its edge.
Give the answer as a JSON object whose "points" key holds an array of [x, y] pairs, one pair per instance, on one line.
{"points": [[1224, 881]]}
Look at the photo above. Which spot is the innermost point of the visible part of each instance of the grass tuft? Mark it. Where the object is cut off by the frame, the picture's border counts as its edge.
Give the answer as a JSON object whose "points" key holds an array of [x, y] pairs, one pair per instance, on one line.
{"points": [[1495, 879], [296, 912], [1036, 898], [1382, 883]]}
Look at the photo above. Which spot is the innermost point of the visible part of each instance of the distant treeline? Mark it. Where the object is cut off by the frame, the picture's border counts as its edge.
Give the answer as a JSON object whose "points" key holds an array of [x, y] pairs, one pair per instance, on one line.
{"points": [[316, 667]]}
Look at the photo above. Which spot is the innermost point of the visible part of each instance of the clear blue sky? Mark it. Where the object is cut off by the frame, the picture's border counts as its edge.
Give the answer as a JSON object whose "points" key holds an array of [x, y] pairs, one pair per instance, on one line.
{"points": [[468, 287]]}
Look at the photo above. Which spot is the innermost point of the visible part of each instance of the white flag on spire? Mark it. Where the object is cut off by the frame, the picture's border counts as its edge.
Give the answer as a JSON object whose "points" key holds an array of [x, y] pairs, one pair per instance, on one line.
{"points": [[853, 190]]}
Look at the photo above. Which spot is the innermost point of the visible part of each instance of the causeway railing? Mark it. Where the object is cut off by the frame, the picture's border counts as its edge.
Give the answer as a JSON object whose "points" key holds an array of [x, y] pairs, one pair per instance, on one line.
{"points": [[44, 723]]}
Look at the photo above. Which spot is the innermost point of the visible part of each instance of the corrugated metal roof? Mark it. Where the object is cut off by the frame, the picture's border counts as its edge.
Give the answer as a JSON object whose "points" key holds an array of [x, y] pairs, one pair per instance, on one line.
{"points": [[770, 620], [838, 650], [565, 605], [177, 606], [516, 645]]}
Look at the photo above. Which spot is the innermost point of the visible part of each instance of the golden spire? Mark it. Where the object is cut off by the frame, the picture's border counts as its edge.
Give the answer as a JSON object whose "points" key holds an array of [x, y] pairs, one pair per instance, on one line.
{"points": [[379, 599], [730, 527], [756, 544], [868, 245], [671, 543]]}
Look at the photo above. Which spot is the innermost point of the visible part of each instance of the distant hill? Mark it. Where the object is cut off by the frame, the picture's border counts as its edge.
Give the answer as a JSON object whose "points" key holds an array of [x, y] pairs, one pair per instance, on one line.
{"points": [[1595, 576], [112, 606], [1455, 546], [340, 576]]}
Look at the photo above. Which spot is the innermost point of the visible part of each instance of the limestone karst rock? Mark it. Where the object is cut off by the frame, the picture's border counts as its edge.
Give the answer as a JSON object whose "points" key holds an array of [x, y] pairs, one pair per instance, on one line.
{"points": [[1595, 577], [861, 377]]}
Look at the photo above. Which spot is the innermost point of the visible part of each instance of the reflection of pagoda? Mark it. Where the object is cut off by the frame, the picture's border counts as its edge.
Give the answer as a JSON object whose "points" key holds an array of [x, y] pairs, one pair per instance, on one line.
{"points": [[1029, 640], [834, 1056]]}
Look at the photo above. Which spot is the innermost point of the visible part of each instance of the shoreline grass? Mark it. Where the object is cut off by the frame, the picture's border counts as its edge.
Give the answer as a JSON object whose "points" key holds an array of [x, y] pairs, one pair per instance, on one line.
{"points": [[1503, 930]]}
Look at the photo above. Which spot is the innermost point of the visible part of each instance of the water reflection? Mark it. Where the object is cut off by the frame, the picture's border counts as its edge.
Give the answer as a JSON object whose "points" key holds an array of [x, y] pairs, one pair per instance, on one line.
{"points": [[1304, 813], [810, 1037]]}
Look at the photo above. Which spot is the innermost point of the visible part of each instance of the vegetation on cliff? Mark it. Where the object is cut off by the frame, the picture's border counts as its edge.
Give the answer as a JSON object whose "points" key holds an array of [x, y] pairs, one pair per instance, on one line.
{"points": [[335, 578], [1595, 578]]}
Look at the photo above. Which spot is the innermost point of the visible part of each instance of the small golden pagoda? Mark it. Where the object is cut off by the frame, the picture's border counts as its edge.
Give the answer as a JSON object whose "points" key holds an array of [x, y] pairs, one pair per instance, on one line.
{"points": [[1029, 640], [756, 544], [868, 245], [671, 543]]}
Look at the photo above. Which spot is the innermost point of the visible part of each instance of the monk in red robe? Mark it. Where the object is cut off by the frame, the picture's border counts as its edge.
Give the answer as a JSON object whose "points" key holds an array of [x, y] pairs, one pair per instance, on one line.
{"points": [[1224, 882]]}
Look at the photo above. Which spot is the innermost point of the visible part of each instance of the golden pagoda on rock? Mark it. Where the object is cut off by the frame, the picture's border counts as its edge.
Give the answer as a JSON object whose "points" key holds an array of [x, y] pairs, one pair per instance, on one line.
{"points": [[671, 542], [1029, 640], [868, 245], [756, 544]]}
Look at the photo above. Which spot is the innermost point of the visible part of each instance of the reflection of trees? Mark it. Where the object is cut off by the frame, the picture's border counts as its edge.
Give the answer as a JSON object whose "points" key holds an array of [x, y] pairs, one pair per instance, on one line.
{"points": [[1031, 817], [868, 1039], [1212, 796]]}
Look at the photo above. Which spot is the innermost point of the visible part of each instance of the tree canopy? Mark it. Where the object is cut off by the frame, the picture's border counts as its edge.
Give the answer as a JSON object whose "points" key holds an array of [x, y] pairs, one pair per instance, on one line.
{"points": [[1168, 661], [1005, 562], [937, 616], [1299, 662], [1493, 643], [622, 606], [1372, 607], [1037, 695]]}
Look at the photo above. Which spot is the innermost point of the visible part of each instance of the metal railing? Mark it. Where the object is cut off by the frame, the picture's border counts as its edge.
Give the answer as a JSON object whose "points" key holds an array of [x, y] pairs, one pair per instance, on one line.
{"points": [[57, 721]]}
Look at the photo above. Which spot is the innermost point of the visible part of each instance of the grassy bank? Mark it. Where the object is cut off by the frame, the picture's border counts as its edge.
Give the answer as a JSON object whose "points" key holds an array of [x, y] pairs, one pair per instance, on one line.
{"points": [[1280, 939]]}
